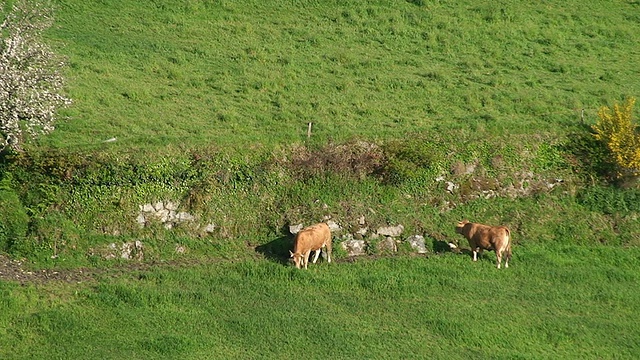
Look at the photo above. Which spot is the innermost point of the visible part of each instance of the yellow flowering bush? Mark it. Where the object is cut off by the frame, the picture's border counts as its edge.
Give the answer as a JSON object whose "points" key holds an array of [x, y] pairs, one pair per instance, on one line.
{"points": [[617, 131]]}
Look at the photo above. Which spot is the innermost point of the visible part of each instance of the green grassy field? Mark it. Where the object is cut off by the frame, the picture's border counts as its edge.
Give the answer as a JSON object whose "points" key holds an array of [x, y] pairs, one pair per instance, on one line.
{"points": [[209, 103], [553, 302], [153, 73]]}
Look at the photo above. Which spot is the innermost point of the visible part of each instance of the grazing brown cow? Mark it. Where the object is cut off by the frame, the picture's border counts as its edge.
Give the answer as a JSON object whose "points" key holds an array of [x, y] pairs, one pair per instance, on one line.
{"points": [[481, 237], [311, 238]]}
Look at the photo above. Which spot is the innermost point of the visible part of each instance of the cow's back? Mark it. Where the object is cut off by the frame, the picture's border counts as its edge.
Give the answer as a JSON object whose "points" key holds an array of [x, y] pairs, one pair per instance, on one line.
{"points": [[487, 237], [312, 238], [478, 235]]}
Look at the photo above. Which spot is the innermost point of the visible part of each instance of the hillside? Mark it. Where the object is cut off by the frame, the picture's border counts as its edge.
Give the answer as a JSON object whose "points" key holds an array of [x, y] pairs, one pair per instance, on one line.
{"points": [[422, 113], [156, 73]]}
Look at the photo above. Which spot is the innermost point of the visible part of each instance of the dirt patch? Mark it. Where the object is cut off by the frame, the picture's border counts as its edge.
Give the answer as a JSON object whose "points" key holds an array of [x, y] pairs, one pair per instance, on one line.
{"points": [[14, 270]]}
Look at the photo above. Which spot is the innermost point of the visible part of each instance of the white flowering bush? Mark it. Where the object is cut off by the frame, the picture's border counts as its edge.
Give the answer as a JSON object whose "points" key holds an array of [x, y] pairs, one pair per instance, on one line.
{"points": [[31, 80]]}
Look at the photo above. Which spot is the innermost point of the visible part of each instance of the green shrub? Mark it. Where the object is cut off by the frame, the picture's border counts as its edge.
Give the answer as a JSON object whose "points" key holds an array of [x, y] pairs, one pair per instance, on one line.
{"points": [[549, 157], [610, 200], [55, 164], [588, 157], [54, 234], [14, 221], [135, 169], [407, 159]]}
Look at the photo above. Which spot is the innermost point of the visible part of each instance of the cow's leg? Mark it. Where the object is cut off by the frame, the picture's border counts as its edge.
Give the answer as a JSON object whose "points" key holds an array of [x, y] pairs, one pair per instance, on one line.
{"points": [[301, 259], [328, 250], [316, 257], [306, 258], [498, 258], [477, 252]]}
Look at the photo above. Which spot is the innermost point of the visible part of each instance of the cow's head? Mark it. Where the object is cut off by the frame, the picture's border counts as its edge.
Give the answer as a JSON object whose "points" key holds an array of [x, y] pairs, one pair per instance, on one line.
{"points": [[460, 226], [298, 259]]}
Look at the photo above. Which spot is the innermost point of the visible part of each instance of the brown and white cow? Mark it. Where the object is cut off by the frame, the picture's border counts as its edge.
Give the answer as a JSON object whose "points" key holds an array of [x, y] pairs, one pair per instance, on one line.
{"points": [[311, 238], [484, 237]]}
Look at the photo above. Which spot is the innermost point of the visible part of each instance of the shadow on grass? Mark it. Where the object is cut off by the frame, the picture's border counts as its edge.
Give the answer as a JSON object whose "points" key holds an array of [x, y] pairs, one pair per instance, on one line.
{"points": [[440, 247], [277, 250]]}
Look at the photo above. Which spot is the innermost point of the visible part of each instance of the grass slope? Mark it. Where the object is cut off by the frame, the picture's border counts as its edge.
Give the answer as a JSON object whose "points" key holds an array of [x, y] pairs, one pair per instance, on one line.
{"points": [[553, 302], [153, 73]]}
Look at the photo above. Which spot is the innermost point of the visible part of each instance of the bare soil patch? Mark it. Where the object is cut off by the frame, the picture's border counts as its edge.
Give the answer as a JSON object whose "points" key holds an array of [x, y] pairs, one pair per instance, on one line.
{"points": [[14, 270]]}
